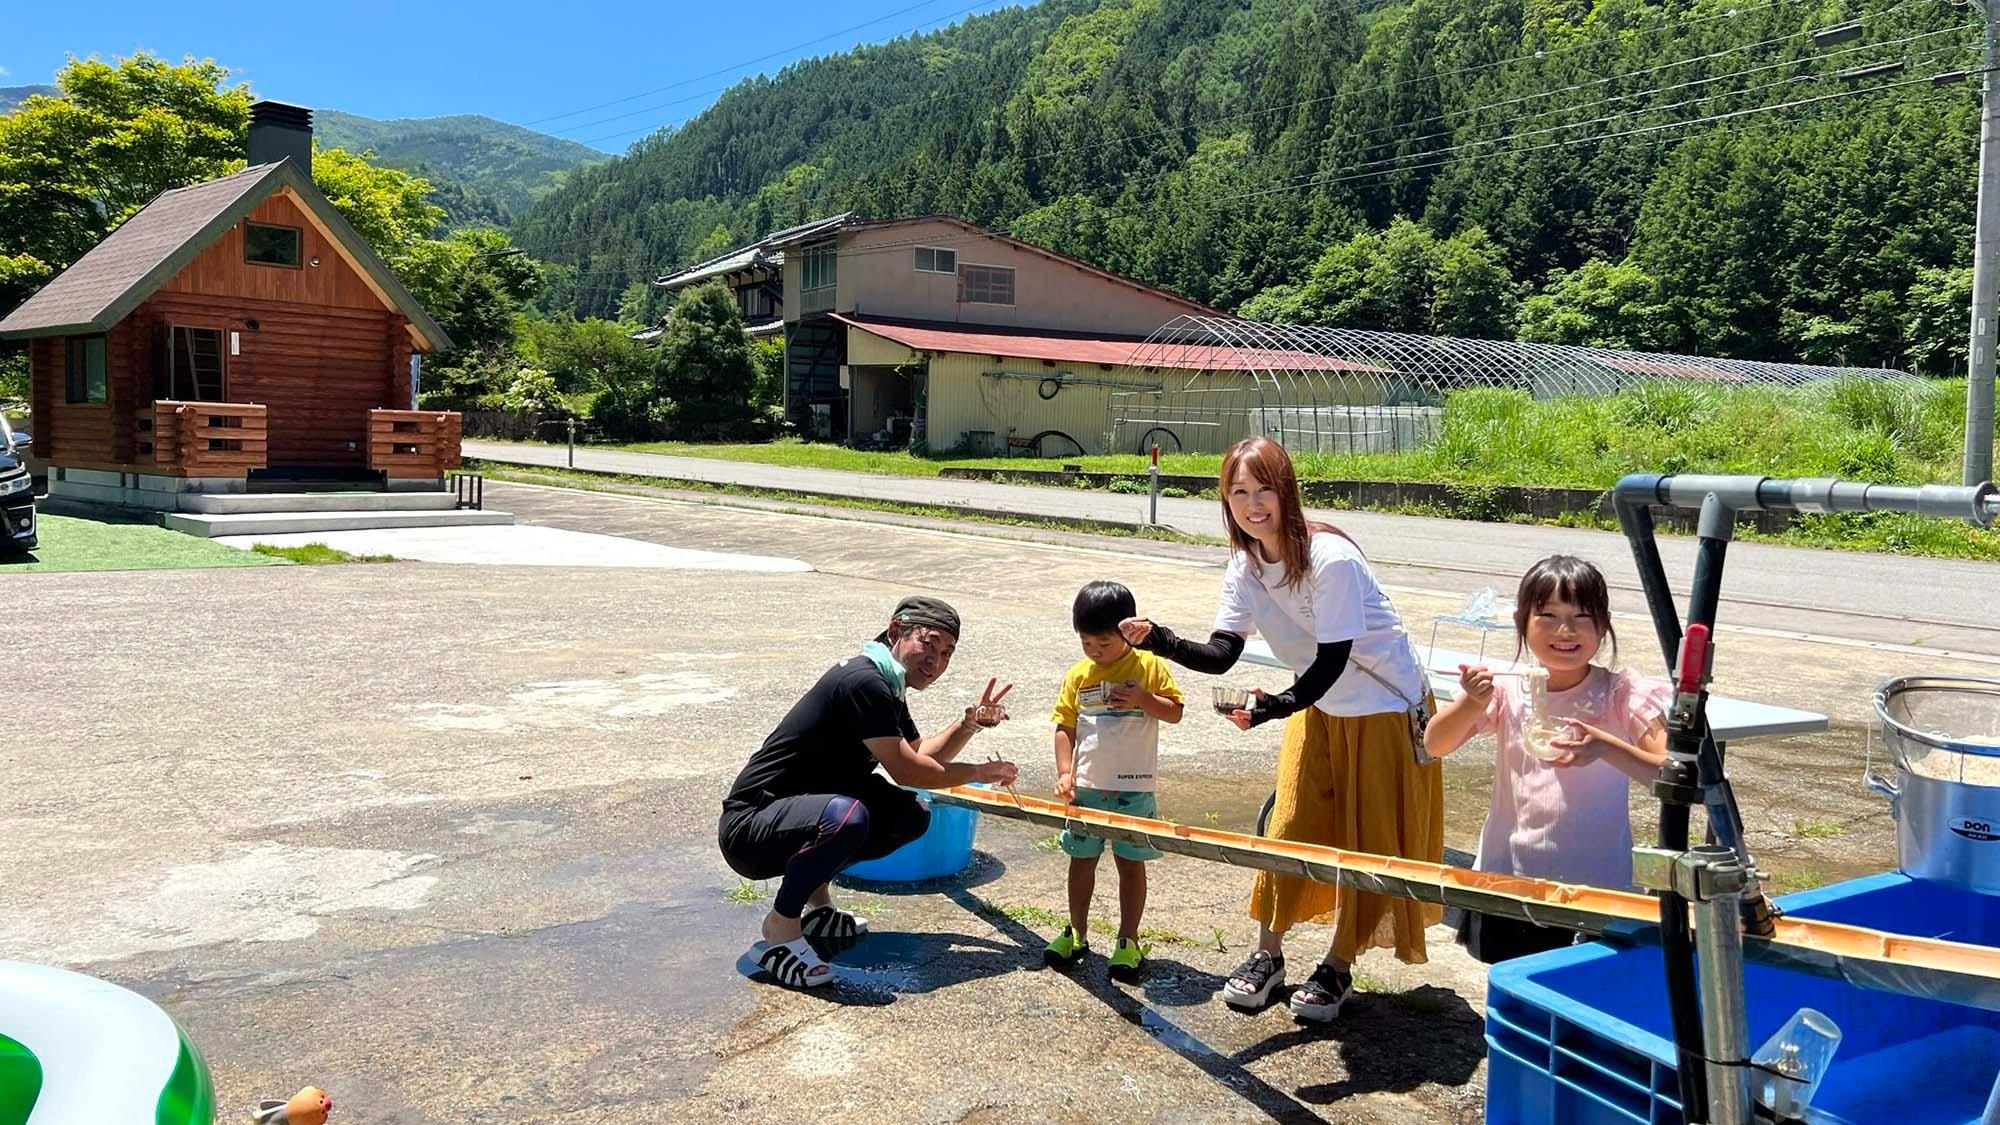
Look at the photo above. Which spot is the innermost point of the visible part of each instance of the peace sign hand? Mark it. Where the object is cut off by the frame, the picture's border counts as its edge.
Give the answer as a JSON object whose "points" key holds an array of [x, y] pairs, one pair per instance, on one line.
{"points": [[987, 712]]}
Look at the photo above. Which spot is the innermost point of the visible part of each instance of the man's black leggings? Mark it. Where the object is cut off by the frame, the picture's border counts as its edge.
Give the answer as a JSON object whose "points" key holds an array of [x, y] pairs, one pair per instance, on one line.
{"points": [[808, 839]]}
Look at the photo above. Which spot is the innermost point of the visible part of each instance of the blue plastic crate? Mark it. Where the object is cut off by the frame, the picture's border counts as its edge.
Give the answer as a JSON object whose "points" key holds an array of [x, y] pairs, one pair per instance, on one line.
{"points": [[1581, 1035], [945, 848]]}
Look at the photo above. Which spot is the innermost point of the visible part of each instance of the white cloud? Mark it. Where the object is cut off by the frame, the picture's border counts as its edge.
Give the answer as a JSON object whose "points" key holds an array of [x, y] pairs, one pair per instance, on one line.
{"points": [[3, 72]]}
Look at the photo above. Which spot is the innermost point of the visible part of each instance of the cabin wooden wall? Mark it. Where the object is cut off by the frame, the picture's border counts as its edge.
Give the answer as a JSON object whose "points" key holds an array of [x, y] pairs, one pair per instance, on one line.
{"points": [[324, 351], [318, 370], [81, 434], [220, 271]]}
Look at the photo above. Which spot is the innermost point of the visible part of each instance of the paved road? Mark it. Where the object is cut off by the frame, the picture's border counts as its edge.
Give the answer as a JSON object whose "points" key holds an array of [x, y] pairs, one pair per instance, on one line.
{"points": [[443, 842], [1880, 599]]}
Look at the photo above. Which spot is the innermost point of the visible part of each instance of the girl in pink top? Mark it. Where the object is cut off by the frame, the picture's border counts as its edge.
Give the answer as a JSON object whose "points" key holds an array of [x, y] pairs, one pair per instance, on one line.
{"points": [[1559, 807]]}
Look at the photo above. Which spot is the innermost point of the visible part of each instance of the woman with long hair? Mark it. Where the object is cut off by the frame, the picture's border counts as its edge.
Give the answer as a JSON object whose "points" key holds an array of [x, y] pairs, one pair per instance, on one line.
{"points": [[1349, 773]]}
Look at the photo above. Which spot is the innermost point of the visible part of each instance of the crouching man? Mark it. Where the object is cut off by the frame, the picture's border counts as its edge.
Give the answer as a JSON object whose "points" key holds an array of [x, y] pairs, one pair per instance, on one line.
{"points": [[809, 802]]}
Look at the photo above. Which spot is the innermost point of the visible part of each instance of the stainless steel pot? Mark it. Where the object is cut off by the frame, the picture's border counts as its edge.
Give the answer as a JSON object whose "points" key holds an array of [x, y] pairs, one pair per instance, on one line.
{"points": [[1943, 734]]}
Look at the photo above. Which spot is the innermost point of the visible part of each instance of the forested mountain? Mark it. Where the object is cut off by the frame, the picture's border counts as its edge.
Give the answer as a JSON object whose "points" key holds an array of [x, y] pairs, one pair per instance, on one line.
{"points": [[1695, 176], [485, 170], [11, 96]]}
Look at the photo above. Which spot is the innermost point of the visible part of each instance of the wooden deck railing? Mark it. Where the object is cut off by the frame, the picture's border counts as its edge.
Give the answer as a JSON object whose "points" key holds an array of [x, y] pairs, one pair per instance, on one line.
{"points": [[414, 443], [205, 439]]}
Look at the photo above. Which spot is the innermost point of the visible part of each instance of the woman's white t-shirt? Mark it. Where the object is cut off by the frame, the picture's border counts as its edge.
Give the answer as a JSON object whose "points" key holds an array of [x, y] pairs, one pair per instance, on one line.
{"points": [[1340, 601]]}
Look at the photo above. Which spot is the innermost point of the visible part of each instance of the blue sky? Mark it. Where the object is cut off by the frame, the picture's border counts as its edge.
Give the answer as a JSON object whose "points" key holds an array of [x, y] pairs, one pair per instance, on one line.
{"points": [[548, 66]]}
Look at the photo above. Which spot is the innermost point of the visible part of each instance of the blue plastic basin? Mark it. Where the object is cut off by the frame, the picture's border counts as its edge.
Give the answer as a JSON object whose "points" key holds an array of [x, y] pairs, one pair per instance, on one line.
{"points": [[944, 849], [1581, 1034]]}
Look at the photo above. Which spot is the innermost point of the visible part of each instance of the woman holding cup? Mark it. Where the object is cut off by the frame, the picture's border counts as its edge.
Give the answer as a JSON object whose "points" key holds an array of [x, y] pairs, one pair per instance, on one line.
{"points": [[1350, 774]]}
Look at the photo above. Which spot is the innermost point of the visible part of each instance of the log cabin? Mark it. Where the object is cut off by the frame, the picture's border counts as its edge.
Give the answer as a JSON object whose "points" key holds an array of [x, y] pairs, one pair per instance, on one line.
{"points": [[233, 336]]}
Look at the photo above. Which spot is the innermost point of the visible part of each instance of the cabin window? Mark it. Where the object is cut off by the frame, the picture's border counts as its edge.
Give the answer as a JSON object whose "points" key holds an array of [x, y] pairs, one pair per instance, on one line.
{"points": [[932, 260], [985, 285], [267, 245], [193, 371], [83, 369]]}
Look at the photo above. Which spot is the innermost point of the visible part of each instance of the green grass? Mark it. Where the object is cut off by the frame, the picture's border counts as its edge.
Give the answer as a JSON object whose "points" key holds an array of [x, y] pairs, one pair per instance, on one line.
{"points": [[316, 554], [1884, 532], [1049, 843], [1889, 533], [1862, 430], [747, 893], [1815, 829], [1853, 429], [1802, 879], [71, 543]]}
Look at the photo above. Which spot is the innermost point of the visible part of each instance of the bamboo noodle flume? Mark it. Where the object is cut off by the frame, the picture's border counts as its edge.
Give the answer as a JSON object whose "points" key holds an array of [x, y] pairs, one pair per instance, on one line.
{"points": [[1915, 966]]}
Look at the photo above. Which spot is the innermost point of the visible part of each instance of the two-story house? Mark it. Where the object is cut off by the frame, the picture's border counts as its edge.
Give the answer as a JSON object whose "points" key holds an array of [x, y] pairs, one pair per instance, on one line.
{"points": [[938, 330]]}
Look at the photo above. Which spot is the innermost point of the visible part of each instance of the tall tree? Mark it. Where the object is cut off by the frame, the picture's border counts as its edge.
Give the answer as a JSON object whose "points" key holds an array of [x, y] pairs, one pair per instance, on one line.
{"points": [[705, 374], [74, 166]]}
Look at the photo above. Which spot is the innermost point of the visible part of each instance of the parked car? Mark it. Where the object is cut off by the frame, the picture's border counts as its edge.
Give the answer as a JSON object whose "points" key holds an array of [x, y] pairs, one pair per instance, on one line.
{"points": [[17, 491]]}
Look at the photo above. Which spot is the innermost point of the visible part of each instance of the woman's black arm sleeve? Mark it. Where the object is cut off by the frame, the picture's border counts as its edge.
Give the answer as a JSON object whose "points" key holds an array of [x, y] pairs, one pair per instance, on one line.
{"points": [[1328, 663], [1215, 657]]}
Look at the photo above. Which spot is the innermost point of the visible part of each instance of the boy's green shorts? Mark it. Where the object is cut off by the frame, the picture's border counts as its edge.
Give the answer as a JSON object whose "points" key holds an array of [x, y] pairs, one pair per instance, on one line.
{"points": [[1126, 802]]}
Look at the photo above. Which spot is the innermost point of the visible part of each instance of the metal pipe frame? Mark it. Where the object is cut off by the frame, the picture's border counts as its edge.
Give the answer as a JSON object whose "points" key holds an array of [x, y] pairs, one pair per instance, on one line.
{"points": [[1979, 503], [1694, 769], [1717, 890]]}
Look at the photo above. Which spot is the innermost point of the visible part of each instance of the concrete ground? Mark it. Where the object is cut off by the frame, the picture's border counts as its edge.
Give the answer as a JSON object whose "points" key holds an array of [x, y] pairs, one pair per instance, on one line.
{"points": [[515, 545], [1871, 597], [440, 839]]}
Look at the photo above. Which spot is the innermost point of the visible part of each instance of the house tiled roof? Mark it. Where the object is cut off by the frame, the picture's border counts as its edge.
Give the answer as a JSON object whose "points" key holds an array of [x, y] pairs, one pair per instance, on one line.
{"points": [[765, 253], [133, 262]]}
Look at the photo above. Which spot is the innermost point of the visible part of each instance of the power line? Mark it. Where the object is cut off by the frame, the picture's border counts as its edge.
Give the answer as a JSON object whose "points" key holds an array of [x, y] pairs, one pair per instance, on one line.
{"points": [[759, 59], [1332, 178], [1130, 182], [1710, 57], [1435, 158], [1312, 177], [1536, 55], [655, 127], [910, 181], [1526, 56]]}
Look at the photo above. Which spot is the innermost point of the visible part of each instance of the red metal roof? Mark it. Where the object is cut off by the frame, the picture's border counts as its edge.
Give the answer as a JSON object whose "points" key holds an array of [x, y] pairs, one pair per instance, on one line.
{"points": [[1092, 349]]}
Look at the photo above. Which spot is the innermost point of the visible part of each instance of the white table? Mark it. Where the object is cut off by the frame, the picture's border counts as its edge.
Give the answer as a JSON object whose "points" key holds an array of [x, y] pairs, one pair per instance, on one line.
{"points": [[1731, 719]]}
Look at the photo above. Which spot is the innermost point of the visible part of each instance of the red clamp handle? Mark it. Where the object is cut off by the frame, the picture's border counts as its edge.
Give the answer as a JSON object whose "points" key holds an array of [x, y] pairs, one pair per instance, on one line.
{"points": [[1692, 668]]}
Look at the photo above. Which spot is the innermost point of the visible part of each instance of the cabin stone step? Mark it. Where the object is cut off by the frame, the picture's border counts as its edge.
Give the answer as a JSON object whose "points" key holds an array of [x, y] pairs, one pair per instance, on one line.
{"points": [[233, 503], [211, 524]]}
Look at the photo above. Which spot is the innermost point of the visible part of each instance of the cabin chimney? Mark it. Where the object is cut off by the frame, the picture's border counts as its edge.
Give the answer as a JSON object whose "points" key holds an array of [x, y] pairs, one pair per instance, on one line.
{"points": [[279, 131]]}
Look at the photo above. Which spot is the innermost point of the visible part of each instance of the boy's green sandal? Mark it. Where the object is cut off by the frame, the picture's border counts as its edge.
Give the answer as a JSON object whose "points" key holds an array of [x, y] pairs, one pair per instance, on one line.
{"points": [[1127, 959], [1066, 950]]}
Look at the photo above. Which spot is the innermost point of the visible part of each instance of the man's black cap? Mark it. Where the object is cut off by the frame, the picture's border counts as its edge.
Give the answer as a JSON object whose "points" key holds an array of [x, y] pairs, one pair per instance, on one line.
{"points": [[920, 610]]}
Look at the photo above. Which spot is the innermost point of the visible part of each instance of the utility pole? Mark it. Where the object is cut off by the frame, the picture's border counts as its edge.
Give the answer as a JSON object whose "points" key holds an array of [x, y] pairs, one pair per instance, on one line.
{"points": [[1985, 267]]}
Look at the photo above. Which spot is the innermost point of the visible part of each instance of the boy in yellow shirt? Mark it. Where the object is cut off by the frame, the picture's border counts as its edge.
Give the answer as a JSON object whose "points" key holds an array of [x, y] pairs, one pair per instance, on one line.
{"points": [[1108, 718]]}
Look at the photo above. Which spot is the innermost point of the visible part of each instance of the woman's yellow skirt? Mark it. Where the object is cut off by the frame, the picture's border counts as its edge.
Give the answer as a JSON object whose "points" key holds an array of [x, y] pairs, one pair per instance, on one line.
{"points": [[1353, 783]]}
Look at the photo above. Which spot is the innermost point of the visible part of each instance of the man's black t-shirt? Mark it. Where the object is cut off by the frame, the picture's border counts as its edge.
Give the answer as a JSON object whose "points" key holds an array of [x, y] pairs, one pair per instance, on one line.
{"points": [[818, 747]]}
